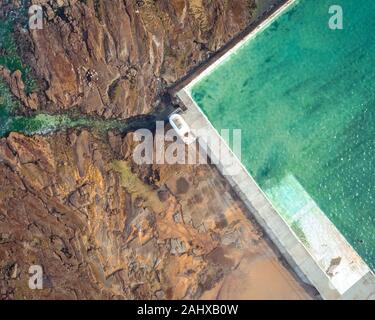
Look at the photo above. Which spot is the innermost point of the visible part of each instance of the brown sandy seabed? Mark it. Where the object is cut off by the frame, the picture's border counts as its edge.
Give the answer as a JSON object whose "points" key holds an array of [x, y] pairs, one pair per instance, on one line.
{"points": [[73, 202]]}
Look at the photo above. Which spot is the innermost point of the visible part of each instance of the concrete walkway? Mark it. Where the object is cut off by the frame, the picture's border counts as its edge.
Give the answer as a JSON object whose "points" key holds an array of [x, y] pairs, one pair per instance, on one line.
{"points": [[352, 280]]}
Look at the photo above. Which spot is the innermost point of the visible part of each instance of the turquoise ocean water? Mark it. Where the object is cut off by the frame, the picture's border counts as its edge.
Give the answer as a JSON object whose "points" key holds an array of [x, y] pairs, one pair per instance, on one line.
{"points": [[304, 97]]}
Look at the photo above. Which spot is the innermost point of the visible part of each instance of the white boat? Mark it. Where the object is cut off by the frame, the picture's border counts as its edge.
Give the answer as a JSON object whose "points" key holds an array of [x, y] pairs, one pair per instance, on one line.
{"points": [[182, 128]]}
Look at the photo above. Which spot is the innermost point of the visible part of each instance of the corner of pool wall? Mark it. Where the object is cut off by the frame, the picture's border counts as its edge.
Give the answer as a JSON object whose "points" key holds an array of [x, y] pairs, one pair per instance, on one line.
{"points": [[309, 266], [357, 283]]}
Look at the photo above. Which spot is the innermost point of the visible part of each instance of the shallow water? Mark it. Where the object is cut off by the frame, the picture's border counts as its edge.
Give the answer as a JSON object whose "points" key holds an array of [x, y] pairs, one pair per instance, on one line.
{"points": [[42, 123], [304, 97]]}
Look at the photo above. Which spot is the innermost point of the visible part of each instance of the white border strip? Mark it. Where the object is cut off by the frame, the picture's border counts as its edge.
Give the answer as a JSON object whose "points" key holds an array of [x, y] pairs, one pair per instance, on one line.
{"points": [[261, 27], [187, 90], [365, 272]]}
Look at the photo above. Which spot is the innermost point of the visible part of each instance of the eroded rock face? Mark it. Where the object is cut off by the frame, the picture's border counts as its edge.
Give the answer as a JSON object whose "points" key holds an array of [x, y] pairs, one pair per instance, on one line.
{"points": [[112, 58], [97, 229], [17, 87], [103, 227]]}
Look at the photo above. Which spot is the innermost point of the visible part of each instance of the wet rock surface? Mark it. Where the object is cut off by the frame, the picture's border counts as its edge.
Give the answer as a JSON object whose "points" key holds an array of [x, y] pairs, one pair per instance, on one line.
{"points": [[113, 58], [100, 229]]}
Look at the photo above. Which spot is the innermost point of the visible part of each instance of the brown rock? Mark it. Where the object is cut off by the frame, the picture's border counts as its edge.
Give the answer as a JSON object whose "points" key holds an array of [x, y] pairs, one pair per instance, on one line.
{"points": [[17, 87], [112, 58]]}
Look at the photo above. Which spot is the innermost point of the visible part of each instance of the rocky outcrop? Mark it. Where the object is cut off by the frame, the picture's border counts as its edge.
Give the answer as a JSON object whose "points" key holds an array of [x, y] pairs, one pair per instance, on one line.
{"points": [[96, 228], [103, 227], [17, 87], [112, 58]]}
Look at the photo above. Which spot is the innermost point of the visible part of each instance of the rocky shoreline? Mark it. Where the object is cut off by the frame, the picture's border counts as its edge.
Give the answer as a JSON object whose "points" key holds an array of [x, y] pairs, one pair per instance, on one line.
{"points": [[101, 226]]}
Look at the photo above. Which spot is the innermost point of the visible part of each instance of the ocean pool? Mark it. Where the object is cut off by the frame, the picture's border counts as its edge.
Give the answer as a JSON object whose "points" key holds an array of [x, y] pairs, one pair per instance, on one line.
{"points": [[303, 96]]}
